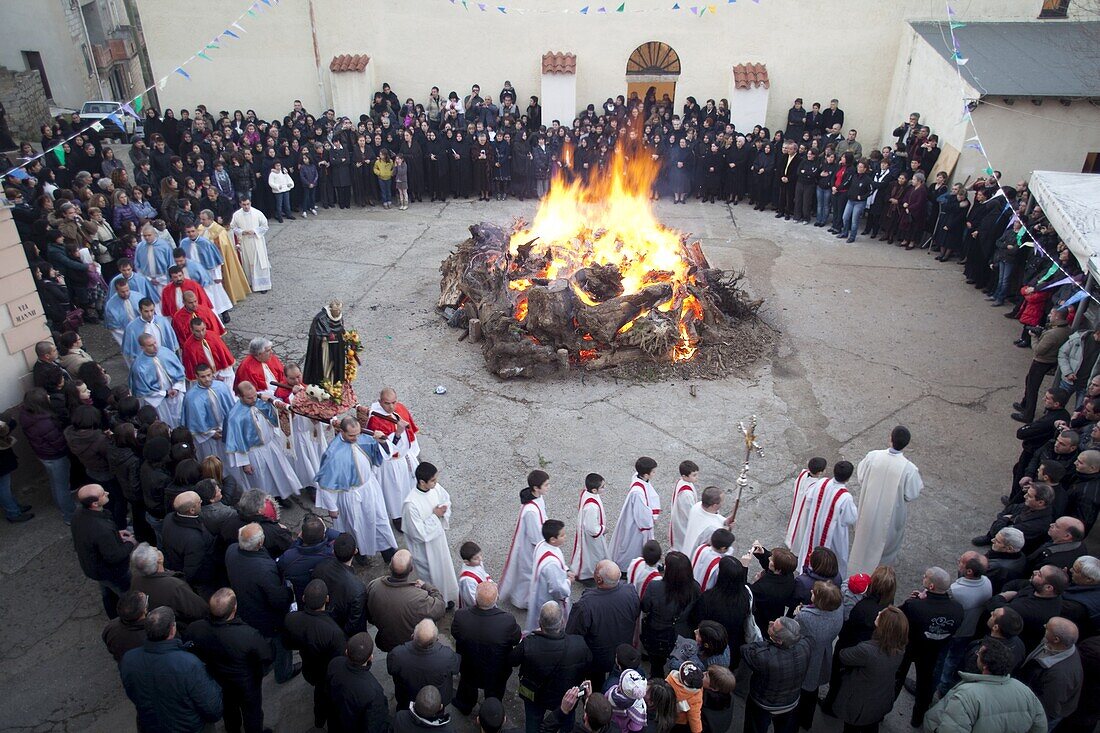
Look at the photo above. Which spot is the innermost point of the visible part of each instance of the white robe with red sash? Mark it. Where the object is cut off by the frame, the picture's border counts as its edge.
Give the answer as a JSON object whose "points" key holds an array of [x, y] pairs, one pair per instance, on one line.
{"points": [[468, 580], [640, 575], [829, 512], [589, 544], [683, 499], [636, 520], [515, 579], [398, 476], [704, 565], [803, 484], [549, 582], [701, 525]]}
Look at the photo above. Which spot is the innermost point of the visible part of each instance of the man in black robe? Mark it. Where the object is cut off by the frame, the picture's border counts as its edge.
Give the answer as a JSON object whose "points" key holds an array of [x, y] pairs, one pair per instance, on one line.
{"points": [[326, 350]]}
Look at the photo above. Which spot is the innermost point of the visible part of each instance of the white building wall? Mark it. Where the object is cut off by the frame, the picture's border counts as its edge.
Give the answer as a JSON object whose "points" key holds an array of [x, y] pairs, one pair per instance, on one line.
{"points": [[1057, 138], [415, 44], [53, 28], [748, 106]]}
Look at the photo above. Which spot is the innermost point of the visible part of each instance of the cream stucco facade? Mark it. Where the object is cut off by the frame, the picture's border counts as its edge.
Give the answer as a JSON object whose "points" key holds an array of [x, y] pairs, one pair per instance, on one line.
{"points": [[861, 51]]}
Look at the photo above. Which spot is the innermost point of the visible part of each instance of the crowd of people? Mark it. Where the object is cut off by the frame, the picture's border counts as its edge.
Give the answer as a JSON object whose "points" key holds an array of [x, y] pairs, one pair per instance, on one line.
{"points": [[183, 470]]}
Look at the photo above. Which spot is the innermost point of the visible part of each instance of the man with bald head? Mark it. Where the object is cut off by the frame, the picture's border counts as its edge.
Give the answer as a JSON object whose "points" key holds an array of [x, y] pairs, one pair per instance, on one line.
{"points": [[262, 598], [101, 547], [319, 639], [398, 477], [933, 617], [1053, 671], [606, 617], [1036, 600], [396, 603], [420, 662], [1067, 543], [236, 656], [1083, 494], [188, 546], [484, 638]]}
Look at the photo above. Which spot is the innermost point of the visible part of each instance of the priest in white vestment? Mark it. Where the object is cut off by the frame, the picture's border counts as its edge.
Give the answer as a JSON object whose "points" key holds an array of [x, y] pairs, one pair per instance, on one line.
{"points": [[249, 226], [157, 379], [515, 579], [256, 447], [551, 580], [807, 479], [590, 543], [425, 518], [639, 514], [705, 517], [828, 513], [888, 482], [684, 497], [347, 488]]}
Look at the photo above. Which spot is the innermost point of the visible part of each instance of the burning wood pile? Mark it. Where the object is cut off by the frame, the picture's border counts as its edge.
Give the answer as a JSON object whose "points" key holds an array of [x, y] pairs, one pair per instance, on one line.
{"points": [[594, 282]]}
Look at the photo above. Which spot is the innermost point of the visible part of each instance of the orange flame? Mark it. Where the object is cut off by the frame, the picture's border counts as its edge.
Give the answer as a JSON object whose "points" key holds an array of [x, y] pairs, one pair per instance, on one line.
{"points": [[609, 221], [521, 309]]}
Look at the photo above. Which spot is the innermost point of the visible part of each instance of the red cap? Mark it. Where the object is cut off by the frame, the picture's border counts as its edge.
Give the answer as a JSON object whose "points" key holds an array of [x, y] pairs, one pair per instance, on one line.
{"points": [[858, 583]]}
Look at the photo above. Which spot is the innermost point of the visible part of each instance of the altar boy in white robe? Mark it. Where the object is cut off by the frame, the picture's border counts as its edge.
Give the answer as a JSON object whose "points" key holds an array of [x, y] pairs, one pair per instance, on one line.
{"points": [[348, 490], [425, 518], [515, 579], [552, 580], [157, 379], [806, 481], [645, 569], [472, 575], [309, 438], [589, 544], [705, 559], [256, 448], [640, 511], [684, 497], [828, 512]]}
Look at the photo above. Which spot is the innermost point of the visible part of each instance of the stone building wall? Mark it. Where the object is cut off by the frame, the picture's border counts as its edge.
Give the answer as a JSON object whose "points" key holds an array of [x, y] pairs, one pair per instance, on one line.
{"points": [[24, 102]]}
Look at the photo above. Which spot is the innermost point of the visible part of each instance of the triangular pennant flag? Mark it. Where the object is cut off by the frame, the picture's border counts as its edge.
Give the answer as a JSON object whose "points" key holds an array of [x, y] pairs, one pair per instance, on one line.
{"points": [[252, 12], [130, 110], [975, 137], [202, 55], [138, 103], [676, 6], [950, 11], [954, 25], [97, 126], [230, 33], [114, 119], [961, 61], [501, 9], [239, 27], [602, 10], [621, 8], [59, 153], [181, 72], [162, 83], [267, 3], [989, 170], [694, 9], [213, 46], [584, 10], [481, 7], [712, 9]]}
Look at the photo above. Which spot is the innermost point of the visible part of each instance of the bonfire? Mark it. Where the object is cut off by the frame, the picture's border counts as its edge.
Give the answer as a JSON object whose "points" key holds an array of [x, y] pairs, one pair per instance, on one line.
{"points": [[594, 281]]}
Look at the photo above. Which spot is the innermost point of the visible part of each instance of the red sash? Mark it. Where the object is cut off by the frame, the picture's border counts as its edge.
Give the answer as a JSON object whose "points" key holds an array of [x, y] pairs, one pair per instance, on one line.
{"points": [[515, 533], [589, 499], [679, 490], [829, 517]]}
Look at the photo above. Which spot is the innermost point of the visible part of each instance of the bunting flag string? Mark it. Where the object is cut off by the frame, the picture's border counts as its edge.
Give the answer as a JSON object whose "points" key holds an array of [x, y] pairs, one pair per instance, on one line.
{"points": [[134, 106], [974, 142], [696, 10]]}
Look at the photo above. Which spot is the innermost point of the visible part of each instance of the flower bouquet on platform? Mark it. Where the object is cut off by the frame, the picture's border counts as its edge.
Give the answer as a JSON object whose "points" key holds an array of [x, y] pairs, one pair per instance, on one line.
{"points": [[326, 400]]}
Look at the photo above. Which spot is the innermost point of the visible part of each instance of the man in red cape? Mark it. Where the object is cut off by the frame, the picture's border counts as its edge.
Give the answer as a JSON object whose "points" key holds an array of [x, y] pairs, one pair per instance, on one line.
{"points": [[397, 476], [171, 298], [261, 367], [192, 308], [204, 347]]}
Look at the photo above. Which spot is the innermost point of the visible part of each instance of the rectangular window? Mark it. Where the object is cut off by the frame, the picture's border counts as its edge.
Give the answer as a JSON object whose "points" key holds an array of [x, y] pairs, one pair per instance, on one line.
{"points": [[1054, 9]]}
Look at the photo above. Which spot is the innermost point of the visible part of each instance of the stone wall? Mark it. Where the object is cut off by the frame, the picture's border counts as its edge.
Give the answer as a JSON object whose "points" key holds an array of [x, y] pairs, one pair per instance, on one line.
{"points": [[24, 102]]}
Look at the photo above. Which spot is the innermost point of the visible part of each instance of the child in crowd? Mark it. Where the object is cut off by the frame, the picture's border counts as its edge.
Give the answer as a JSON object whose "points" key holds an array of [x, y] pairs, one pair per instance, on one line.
{"points": [[627, 699], [645, 569], [401, 181], [472, 575], [589, 544]]}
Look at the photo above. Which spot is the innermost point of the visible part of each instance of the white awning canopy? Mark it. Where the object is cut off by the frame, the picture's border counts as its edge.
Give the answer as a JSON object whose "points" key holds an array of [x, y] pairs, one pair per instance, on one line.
{"points": [[1071, 202]]}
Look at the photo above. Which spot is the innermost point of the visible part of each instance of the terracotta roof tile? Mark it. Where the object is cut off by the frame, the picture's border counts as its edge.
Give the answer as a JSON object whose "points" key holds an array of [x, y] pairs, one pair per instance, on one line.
{"points": [[748, 76], [348, 62], [559, 63]]}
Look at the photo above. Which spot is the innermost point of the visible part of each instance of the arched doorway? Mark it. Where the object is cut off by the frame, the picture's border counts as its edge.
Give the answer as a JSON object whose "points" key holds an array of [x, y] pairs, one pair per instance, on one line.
{"points": [[653, 64]]}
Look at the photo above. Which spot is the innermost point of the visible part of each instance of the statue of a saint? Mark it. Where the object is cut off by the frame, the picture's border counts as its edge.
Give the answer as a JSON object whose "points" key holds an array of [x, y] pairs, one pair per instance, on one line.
{"points": [[326, 351]]}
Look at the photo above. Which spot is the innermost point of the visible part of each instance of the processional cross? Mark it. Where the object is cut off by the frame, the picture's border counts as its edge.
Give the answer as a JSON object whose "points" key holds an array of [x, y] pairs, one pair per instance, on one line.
{"points": [[751, 446]]}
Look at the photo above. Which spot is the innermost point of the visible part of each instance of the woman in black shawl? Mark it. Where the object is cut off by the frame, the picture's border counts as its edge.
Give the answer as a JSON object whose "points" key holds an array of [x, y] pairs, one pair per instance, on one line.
{"points": [[681, 163], [521, 166], [341, 173], [362, 163], [459, 170], [414, 158], [169, 129], [438, 159], [482, 158], [739, 158], [712, 162]]}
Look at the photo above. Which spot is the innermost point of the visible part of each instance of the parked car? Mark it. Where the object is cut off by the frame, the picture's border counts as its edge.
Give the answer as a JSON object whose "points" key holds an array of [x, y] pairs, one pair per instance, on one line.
{"points": [[98, 110]]}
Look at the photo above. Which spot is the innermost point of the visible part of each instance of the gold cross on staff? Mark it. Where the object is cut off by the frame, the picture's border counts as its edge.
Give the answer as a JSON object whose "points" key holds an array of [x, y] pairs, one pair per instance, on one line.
{"points": [[751, 443]]}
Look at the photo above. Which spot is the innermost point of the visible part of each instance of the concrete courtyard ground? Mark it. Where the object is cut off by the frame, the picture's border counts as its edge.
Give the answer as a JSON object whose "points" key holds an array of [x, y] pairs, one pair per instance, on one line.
{"points": [[869, 336]]}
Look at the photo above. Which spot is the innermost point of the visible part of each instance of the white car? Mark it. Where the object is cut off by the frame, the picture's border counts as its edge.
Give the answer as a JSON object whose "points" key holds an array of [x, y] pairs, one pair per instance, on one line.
{"points": [[100, 109]]}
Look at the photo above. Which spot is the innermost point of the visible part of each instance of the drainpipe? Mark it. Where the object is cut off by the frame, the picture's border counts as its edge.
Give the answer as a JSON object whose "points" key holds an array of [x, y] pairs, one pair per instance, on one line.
{"points": [[317, 57], [74, 5]]}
